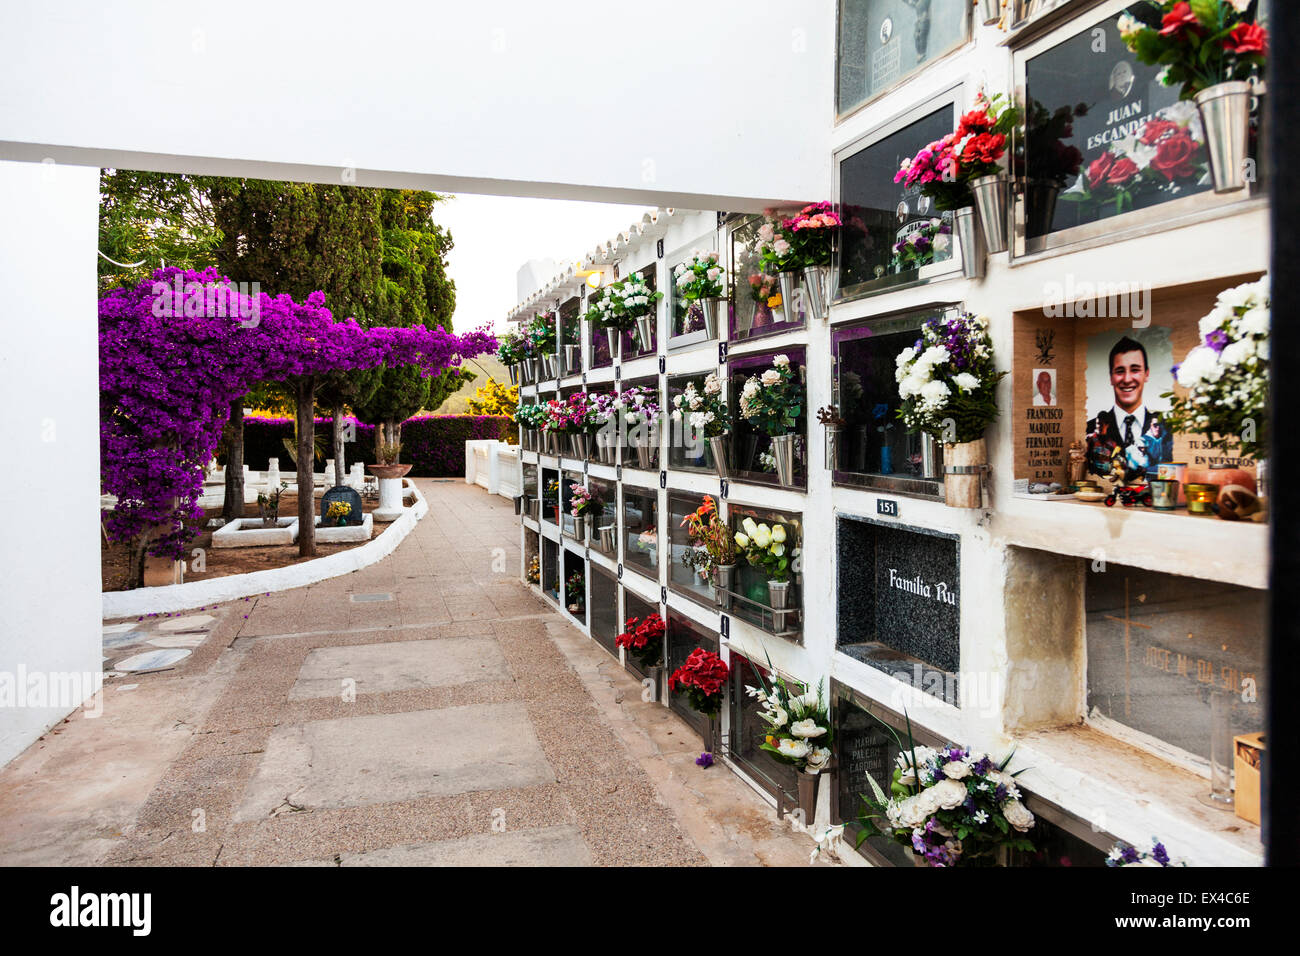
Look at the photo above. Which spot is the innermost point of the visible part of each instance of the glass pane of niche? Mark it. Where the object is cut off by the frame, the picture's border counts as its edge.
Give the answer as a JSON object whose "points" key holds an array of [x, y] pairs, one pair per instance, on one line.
{"points": [[551, 569], [649, 383], [747, 730], [603, 615], [1166, 652], [875, 447], [641, 530], [570, 334], [756, 304], [1104, 136], [882, 41], [633, 347], [685, 319], [754, 603], [567, 482], [551, 495], [606, 519], [751, 449], [597, 340], [635, 606], [688, 450], [530, 481], [684, 636], [575, 584], [899, 600], [682, 577], [879, 213]]}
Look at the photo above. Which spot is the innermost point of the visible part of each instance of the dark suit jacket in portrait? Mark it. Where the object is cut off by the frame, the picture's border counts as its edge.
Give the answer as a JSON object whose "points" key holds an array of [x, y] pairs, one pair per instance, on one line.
{"points": [[1106, 435]]}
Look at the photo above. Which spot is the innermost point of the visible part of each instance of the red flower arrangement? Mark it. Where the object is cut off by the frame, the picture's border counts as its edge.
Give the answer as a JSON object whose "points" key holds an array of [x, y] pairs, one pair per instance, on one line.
{"points": [[644, 640], [703, 677], [1198, 45]]}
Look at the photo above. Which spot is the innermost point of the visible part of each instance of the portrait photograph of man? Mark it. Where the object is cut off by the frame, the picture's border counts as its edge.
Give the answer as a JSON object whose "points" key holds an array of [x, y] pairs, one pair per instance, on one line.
{"points": [[1044, 388], [1127, 438]]}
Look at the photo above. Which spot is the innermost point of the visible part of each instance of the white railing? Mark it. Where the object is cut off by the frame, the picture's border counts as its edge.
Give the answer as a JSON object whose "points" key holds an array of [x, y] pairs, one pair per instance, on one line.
{"points": [[493, 465]]}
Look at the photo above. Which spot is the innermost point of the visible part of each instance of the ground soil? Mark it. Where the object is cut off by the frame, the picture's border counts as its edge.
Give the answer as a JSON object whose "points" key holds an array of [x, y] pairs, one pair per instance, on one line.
{"points": [[114, 558]]}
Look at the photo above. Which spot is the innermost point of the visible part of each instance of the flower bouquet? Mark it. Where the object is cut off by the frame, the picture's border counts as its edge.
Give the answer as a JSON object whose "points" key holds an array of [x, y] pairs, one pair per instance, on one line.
{"points": [[1226, 376], [1046, 162], [703, 678], [268, 505], [764, 548], [541, 336], [643, 640], [530, 418], [947, 382], [803, 243], [953, 806], [1213, 50], [639, 412], [702, 279], [928, 242], [798, 725], [1164, 159], [575, 592], [338, 513], [773, 402], [534, 573], [704, 410], [1121, 854], [714, 549], [582, 504], [511, 352]]}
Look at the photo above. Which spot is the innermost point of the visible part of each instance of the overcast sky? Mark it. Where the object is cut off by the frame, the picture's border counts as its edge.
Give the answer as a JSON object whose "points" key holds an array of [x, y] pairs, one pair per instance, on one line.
{"points": [[495, 235]]}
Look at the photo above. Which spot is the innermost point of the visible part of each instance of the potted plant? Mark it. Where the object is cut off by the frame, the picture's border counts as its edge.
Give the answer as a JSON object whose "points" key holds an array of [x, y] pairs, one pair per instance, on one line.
{"points": [[268, 506], [702, 279], [1226, 378], [582, 503], [773, 402], [765, 548], [834, 425], [600, 315], [798, 733], [572, 347], [764, 289], [706, 413], [703, 678], [952, 806], [534, 573], [644, 642], [602, 423], [1214, 50], [712, 540], [947, 382]]}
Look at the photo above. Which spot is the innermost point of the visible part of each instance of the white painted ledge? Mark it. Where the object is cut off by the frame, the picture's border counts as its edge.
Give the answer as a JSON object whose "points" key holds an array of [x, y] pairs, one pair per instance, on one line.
{"points": [[182, 597]]}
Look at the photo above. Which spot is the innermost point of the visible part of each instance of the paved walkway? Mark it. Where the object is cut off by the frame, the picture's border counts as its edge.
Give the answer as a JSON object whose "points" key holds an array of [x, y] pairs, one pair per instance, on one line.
{"points": [[425, 710]]}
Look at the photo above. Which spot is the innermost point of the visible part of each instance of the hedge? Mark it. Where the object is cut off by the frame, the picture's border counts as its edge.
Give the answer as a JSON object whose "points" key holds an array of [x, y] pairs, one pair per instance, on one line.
{"points": [[433, 444]]}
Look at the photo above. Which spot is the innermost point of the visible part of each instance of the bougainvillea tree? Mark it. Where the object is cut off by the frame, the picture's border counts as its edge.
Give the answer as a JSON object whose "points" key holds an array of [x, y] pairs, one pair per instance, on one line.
{"points": [[170, 367]]}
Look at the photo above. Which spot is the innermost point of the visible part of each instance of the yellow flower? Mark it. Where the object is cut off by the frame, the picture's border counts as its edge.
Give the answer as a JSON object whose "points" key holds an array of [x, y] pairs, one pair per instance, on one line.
{"points": [[774, 301]]}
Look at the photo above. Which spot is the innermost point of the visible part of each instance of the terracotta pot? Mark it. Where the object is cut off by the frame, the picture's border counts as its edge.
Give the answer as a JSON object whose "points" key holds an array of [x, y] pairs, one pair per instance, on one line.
{"points": [[389, 471]]}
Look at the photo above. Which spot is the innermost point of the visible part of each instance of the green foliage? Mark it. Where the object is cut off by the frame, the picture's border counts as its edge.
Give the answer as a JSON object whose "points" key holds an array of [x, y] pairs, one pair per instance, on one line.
{"points": [[155, 217]]}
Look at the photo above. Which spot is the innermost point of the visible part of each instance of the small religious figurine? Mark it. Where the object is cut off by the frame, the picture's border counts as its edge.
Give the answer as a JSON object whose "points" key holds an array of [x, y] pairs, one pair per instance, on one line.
{"points": [[1078, 462]]}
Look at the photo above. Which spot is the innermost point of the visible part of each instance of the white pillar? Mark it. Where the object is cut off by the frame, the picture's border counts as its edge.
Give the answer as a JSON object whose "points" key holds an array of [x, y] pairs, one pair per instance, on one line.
{"points": [[272, 475], [50, 605], [390, 500]]}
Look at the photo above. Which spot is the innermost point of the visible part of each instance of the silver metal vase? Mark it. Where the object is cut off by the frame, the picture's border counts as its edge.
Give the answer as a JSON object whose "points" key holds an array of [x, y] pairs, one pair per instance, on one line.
{"points": [[721, 459], [711, 308], [971, 240], [789, 294], [645, 331], [833, 433], [612, 336], [783, 452], [724, 578], [991, 206], [573, 360], [1225, 118], [514, 374], [778, 596], [817, 280]]}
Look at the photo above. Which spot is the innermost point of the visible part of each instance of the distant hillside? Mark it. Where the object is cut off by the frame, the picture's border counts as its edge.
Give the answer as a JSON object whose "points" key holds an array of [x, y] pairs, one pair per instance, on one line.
{"points": [[482, 367]]}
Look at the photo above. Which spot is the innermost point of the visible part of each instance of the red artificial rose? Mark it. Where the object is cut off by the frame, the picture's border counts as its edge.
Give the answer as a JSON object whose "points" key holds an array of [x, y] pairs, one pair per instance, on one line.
{"points": [[985, 148], [1155, 129], [976, 121], [1178, 19], [1174, 157], [1123, 170], [1246, 38], [1098, 169]]}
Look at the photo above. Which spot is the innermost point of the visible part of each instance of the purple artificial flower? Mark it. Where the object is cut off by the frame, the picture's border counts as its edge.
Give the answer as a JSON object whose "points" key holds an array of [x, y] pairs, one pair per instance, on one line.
{"points": [[1130, 855], [704, 760], [1160, 853], [1000, 793], [1217, 340]]}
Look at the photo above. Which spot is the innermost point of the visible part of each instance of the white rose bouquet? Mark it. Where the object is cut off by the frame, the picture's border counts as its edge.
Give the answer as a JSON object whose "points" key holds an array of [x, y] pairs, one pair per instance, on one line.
{"points": [[703, 408], [632, 299], [603, 313], [765, 548], [798, 725], [773, 401], [947, 379], [953, 806], [701, 277], [1226, 376]]}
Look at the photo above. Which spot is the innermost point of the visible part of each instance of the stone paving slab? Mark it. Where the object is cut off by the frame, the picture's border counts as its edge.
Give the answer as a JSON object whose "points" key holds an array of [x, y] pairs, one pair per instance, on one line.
{"points": [[363, 760], [549, 846], [404, 665]]}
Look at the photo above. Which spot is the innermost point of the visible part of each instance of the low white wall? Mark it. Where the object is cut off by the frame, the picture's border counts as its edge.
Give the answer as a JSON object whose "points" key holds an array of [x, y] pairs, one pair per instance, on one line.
{"points": [[493, 465], [49, 487]]}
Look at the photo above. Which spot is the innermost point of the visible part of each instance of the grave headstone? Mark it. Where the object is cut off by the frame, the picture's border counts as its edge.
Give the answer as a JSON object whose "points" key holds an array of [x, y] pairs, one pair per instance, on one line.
{"points": [[900, 602], [864, 748], [344, 494]]}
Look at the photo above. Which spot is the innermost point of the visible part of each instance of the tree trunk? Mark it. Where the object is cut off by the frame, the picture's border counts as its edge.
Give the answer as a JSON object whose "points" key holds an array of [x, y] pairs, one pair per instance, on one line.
{"points": [[233, 507], [135, 564], [306, 394], [339, 468], [379, 442]]}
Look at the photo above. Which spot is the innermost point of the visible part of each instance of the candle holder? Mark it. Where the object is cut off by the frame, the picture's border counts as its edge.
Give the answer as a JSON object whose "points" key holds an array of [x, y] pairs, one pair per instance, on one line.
{"points": [[1201, 497], [1164, 494]]}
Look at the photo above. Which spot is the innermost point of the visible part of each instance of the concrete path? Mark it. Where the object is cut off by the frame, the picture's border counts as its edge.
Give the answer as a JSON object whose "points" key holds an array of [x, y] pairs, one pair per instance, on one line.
{"points": [[427, 710]]}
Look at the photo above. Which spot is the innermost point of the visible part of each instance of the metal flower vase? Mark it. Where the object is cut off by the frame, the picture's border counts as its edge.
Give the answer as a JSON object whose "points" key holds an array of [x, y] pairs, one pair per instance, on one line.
{"points": [[581, 445], [1225, 118], [963, 473], [833, 434], [647, 450], [721, 459], [608, 536], [990, 12], [724, 578], [817, 281], [580, 528], [783, 452], [645, 332], [612, 336], [991, 206], [807, 796], [711, 307], [789, 294], [971, 241], [573, 360], [778, 597], [514, 374], [605, 453]]}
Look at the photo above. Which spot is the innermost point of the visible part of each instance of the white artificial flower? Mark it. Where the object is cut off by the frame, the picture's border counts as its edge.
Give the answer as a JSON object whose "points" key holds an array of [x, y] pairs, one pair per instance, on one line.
{"points": [[1197, 366], [1239, 5], [778, 533], [1254, 322], [956, 770], [1017, 815], [966, 381], [934, 395], [1216, 319], [980, 816], [806, 728], [1238, 297], [742, 540], [762, 537], [775, 716], [905, 356], [771, 377], [817, 759], [1234, 353], [755, 692], [934, 355], [781, 361], [749, 526], [949, 794], [711, 384], [795, 749], [1128, 25]]}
